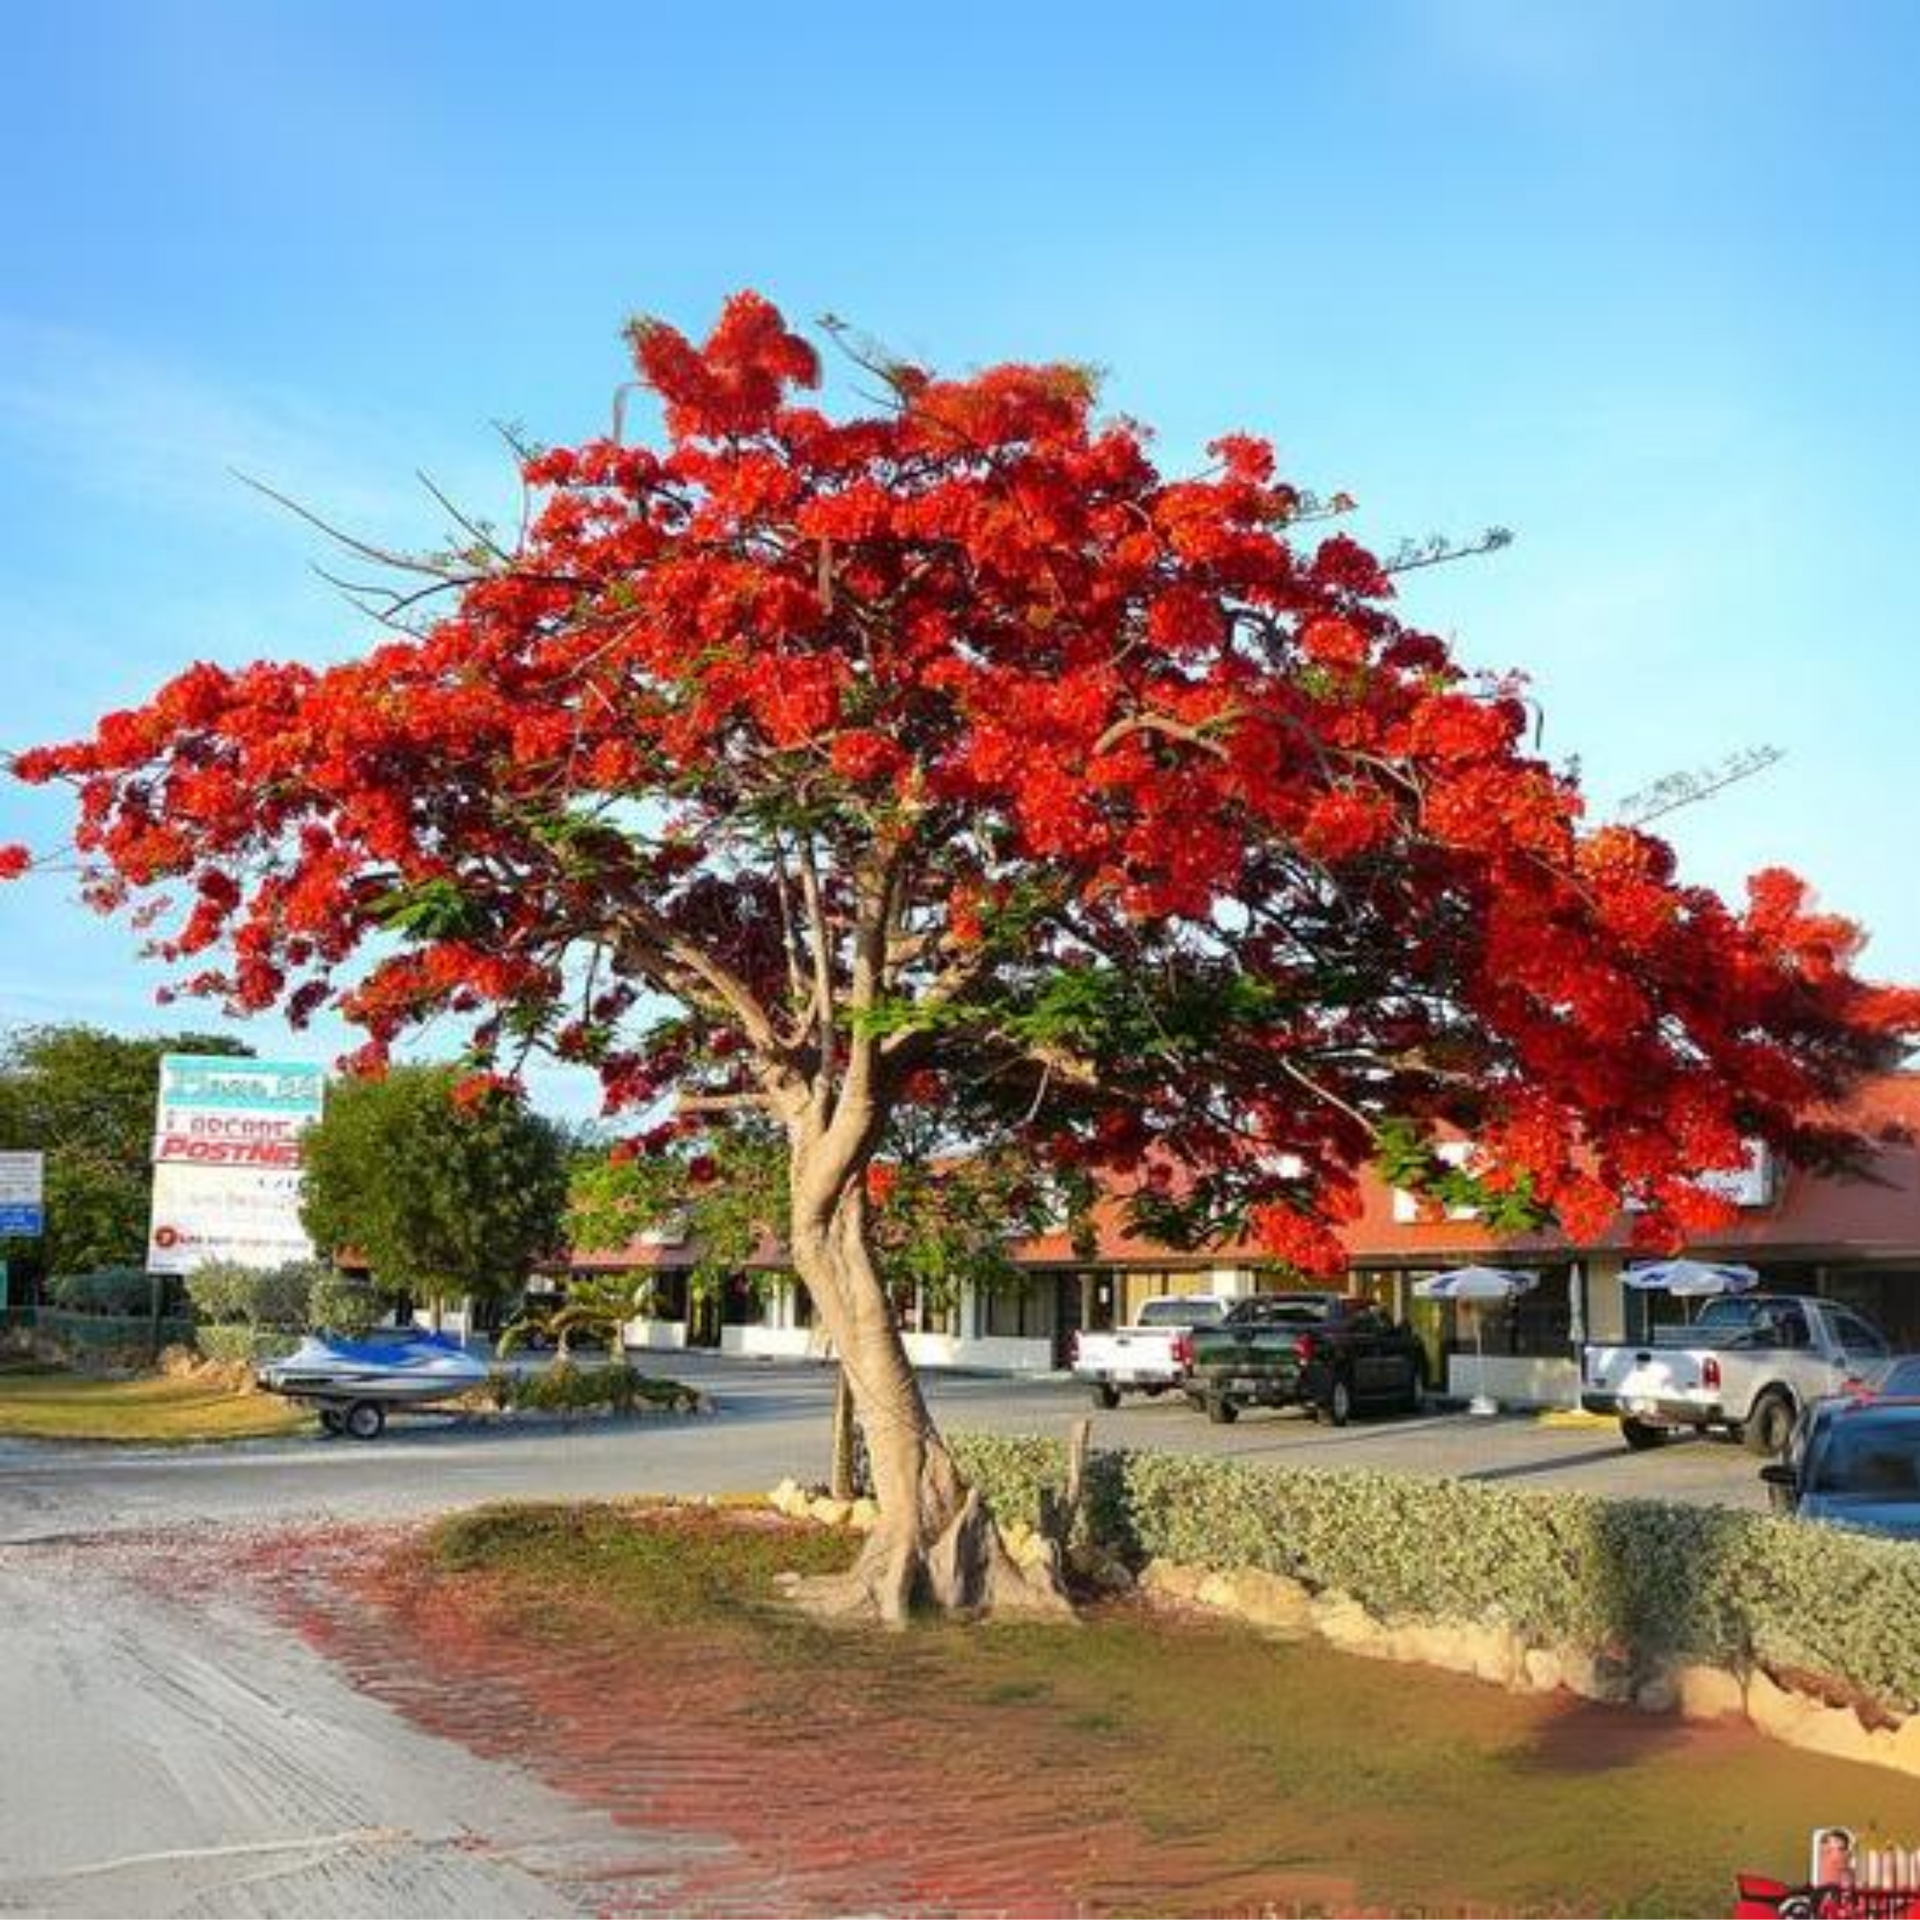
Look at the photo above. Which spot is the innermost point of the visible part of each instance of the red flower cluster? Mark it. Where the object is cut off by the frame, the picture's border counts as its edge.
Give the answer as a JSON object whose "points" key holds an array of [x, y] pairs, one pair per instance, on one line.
{"points": [[1298, 1240]]}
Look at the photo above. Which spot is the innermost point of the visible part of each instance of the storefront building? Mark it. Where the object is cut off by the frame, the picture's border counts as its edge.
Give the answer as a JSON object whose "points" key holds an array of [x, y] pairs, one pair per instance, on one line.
{"points": [[1853, 1240]]}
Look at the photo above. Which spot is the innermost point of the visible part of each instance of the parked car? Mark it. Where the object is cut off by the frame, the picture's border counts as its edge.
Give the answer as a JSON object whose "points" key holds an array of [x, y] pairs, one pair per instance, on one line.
{"points": [[1745, 1367], [1854, 1462], [1897, 1379], [1151, 1355], [1331, 1353]]}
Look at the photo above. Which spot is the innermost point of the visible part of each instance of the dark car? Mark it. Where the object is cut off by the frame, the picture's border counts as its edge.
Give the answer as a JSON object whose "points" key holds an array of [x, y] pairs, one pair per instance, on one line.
{"points": [[1853, 1462], [1331, 1353]]}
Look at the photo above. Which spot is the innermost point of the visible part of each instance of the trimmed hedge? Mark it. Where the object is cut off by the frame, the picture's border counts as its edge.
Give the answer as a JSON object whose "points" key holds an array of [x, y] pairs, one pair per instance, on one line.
{"points": [[106, 1332], [120, 1292], [1643, 1582]]}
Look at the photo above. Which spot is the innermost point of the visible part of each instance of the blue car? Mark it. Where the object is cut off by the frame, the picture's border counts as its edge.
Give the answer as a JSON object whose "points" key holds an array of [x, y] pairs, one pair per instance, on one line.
{"points": [[1853, 1462]]}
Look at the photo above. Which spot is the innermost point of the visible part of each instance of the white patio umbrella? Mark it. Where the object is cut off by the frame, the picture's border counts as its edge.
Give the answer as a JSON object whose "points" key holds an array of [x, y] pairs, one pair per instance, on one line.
{"points": [[1690, 1279], [1478, 1286]]}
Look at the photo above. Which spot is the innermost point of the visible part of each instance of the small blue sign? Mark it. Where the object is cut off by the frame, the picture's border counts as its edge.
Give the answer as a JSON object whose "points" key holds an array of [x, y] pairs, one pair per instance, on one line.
{"points": [[20, 1219]]}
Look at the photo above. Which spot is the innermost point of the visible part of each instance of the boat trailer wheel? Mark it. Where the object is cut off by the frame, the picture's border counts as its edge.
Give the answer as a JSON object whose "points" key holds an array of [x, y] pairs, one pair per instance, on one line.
{"points": [[366, 1420], [333, 1419]]}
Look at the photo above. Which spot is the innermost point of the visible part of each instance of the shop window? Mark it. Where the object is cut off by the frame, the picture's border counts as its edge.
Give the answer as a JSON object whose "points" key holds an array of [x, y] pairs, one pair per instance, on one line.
{"points": [[918, 1312], [740, 1302], [1375, 1285], [1004, 1313], [1020, 1312], [1532, 1326], [667, 1298], [1102, 1301]]}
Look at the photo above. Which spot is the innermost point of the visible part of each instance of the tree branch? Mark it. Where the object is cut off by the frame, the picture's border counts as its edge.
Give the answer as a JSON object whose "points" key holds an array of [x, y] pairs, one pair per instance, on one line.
{"points": [[1173, 729], [683, 963], [723, 1102], [821, 936]]}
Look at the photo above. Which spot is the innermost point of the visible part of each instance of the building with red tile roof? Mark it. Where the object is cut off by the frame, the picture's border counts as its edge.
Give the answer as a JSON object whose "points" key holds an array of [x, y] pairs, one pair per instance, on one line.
{"points": [[1855, 1239]]}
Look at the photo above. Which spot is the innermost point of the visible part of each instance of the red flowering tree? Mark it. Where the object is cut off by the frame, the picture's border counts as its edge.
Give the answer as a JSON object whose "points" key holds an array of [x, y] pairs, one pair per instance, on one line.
{"points": [[950, 756]]}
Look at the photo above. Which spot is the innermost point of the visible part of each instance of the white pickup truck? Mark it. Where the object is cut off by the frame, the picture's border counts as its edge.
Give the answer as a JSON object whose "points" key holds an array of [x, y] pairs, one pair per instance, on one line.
{"points": [[1746, 1366], [1150, 1356]]}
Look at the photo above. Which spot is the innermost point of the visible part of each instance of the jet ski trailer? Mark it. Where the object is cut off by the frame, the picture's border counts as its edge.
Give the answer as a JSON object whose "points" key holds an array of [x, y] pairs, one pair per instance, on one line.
{"points": [[353, 1383]]}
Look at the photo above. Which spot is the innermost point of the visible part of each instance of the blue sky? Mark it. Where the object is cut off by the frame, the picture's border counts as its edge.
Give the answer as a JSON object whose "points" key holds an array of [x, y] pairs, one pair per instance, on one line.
{"points": [[1640, 282]]}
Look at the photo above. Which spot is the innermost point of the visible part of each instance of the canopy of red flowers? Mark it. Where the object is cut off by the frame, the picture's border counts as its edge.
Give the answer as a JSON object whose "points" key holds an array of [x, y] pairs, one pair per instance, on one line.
{"points": [[1116, 814]]}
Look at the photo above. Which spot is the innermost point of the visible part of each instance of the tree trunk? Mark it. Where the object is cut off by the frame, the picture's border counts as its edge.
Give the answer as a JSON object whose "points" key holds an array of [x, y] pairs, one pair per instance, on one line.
{"points": [[935, 1544], [844, 1481]]}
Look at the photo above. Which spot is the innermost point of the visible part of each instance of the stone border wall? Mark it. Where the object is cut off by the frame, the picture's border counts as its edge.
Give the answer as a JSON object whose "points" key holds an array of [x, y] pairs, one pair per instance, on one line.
{"points": [[1288, 1609]]}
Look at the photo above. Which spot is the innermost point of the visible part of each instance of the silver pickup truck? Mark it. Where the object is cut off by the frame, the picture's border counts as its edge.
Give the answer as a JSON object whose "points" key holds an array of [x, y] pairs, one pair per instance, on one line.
{"points": [[1745, 1366], [1151, 1355]]}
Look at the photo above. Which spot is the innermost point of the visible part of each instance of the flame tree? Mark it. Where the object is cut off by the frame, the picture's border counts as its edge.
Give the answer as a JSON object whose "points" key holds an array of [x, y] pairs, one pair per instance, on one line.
{"points": [[947, 757]]}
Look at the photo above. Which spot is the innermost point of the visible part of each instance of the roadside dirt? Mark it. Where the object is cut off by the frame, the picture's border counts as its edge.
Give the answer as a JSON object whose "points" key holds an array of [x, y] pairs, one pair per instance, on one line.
{"points": [[1131, 1766]]}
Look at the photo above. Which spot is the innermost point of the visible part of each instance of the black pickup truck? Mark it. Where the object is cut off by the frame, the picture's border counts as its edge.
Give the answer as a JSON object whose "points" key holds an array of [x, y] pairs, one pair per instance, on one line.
{"points": [[1331, 1353]]}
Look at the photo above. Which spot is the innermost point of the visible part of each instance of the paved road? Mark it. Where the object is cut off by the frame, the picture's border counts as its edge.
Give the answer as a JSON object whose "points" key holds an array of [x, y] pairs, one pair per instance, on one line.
{"points": [[171, 1751], [771, 1420], [181, 1754]]}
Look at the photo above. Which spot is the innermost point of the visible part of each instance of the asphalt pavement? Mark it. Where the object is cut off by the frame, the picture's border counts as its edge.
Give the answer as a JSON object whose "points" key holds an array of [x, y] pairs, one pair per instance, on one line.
{"points": [[771, 1419]]}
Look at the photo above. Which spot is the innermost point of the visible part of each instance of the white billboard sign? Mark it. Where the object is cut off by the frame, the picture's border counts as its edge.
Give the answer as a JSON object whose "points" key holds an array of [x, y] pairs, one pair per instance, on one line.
{"points": [[226, 1161], [1750, 1185], [22, 1193]]}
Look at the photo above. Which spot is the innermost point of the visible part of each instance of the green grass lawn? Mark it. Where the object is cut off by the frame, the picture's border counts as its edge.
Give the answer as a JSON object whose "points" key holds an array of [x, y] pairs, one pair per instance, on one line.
{"points": [[1196, 1767], [51, 1404]]}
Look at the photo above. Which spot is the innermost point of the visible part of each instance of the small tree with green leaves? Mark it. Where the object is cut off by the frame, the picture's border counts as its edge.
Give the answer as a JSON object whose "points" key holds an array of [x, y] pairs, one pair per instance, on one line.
{"points": [[447, 1185]]}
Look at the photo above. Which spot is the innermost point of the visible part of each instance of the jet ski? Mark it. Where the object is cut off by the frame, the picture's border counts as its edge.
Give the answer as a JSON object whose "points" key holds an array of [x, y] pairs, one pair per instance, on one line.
{"points": [[354, 1382]]}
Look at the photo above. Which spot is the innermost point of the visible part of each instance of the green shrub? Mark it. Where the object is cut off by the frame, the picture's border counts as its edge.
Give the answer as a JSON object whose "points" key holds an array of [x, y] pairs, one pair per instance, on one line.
{"points": [[339, 1304], [1642, 1580], [567, 1389], [560, 1388], [239, 1341], [228, 1294], [125, 1291], [217, 1289]]}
